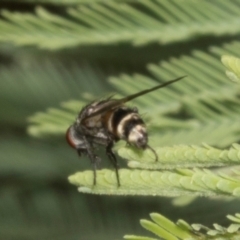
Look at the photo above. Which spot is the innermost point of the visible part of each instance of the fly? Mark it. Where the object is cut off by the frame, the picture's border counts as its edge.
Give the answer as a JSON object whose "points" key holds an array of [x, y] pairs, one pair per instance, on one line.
{"points": [[106, 122]]}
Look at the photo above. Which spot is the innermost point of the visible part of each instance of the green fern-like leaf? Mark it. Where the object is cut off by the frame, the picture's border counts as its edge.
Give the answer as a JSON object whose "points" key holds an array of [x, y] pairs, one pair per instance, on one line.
{"points": [[181, 156], [139, 22], [54, 121], [210, 101], [45, 85], [213, 109], [64, 2], [159, 183], [233, 65], [166, 229]]}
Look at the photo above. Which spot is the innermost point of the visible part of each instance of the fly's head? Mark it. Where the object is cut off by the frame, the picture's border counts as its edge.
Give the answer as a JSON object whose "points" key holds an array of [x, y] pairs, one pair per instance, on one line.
{"points": [[137, 135]]}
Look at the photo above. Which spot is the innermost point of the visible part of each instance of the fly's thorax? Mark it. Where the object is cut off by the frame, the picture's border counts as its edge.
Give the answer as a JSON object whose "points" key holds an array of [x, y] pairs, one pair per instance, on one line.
{"points": [[85, 119], [93, 122]]}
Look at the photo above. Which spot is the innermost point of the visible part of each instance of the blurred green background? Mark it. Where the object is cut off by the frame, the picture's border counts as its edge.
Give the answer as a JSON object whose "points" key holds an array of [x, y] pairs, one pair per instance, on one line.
{"points": [[45, 60]]}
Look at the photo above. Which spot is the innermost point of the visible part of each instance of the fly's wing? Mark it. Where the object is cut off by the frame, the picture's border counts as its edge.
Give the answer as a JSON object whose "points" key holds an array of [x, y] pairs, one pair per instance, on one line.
{"points": [[114, 103]]}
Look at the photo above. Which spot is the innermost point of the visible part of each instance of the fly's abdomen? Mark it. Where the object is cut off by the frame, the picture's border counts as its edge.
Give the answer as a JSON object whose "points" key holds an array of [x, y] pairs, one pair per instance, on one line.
{"points": [[125, 123]]}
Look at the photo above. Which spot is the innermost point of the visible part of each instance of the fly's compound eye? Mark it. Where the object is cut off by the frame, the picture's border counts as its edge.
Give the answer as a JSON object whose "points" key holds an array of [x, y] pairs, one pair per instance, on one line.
{"points": [[75, 139], [70, 137]]}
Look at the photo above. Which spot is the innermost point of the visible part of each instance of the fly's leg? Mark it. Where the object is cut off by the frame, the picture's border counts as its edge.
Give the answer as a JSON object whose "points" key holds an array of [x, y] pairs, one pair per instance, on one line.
{"points": [[113, 160], [95, 160]]}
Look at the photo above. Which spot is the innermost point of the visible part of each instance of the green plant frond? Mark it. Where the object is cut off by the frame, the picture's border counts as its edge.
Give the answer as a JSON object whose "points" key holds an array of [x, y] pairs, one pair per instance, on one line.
{"points": [[158, 183], [54, 121], [233, 65], [35, 86], [110, 22], [181, 230], [67, 2], [235, 219], [178, 132], [201, 93], [133, 237], [183, 201], [163, 101], [154, 228], [210, 101], [181, 156], [167, 224], [205, 95], [226, 130]]}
